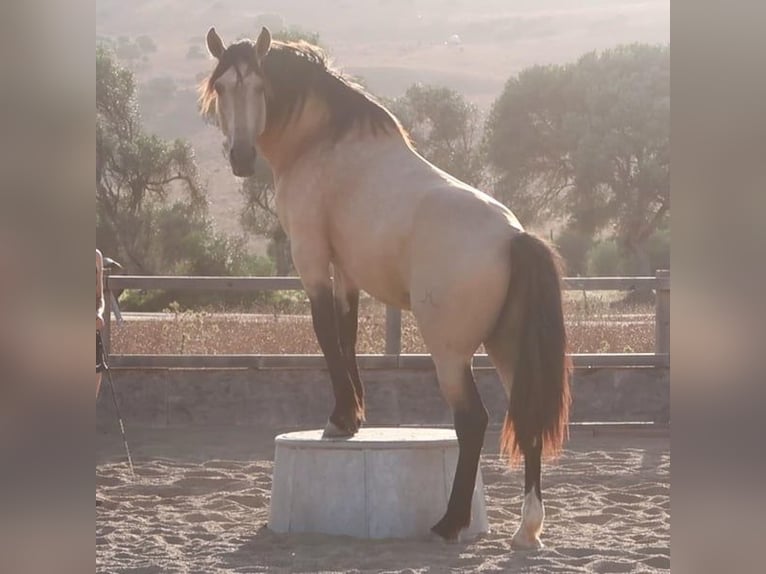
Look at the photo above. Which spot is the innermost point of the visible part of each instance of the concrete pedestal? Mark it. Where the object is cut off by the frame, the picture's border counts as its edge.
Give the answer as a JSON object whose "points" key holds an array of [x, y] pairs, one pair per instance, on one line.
{"points": [[381, 483]]}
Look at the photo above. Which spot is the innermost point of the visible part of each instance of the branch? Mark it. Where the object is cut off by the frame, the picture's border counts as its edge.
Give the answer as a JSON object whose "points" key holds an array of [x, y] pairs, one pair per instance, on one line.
{"points": [[263, 200], [155, 185]]}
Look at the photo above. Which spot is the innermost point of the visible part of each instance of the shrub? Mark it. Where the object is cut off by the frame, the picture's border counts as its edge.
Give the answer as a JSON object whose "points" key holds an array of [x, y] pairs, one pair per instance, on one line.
{"points": [[573, 246], [146, 44], [659, 249], [195, 53], [605, 259]]}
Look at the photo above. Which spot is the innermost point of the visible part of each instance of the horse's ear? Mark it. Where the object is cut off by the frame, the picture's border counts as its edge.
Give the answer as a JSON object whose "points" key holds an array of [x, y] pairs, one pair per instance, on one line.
{"points": [[215, 44], [263, 44]]}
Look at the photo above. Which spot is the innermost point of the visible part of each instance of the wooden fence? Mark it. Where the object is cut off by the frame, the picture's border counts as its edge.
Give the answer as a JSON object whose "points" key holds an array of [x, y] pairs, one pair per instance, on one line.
{"points": [[393, 358]]}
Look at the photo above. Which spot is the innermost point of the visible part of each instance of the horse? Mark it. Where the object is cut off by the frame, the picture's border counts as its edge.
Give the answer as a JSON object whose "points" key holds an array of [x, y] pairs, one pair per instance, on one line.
{"points": [[365, 211]]}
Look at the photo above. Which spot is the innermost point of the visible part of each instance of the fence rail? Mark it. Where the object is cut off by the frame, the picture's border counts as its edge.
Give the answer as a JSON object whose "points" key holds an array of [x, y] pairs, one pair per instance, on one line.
{"points": [[393, 357], [660, 281]]}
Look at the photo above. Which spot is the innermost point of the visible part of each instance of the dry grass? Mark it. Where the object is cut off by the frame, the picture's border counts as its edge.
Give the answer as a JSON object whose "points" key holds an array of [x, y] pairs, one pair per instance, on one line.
{"points": [[594, 325]]}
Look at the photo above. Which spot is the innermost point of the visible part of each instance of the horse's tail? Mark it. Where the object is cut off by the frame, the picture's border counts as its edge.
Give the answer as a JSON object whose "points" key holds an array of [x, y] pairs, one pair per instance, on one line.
{"points": [[533, 320]]}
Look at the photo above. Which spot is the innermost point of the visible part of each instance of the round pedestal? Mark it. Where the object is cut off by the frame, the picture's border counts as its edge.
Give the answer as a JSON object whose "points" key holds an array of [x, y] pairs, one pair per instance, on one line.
{"points": [[381, 483]]}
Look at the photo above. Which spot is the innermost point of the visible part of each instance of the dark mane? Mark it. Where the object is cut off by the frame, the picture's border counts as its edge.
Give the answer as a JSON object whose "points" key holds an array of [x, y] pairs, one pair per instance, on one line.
{"points": [[293, 72]]}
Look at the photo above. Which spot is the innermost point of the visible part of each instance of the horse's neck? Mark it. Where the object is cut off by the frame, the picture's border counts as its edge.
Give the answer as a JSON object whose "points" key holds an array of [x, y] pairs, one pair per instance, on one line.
{"points": [[282, 146], [356, 164]]}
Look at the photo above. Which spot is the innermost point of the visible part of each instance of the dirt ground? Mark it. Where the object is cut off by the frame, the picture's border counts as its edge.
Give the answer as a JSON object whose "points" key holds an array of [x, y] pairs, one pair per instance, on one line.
{"points": [[200, 504]]}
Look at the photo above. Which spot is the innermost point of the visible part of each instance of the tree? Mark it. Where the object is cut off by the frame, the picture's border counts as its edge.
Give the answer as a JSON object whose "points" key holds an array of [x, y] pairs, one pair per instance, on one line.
{"points": [[445, 129], [136, 173], [151, 209], [146, 44], [589, 142], [128, 50], [195, 52], [297, 34]]}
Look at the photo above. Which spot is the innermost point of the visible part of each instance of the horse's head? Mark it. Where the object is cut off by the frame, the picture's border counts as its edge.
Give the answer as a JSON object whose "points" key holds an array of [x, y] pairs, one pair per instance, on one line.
{"points": [[235, 93]]}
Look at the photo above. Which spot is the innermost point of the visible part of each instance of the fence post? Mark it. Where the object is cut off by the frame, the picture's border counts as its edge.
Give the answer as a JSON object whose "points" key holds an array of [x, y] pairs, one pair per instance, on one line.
{"points": [[106, 331], [662, 312], [393, 331]]}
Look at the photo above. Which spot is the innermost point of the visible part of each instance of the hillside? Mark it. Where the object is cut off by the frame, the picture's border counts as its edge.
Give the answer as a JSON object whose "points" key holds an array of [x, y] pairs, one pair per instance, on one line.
{"points": [[472, 46]]}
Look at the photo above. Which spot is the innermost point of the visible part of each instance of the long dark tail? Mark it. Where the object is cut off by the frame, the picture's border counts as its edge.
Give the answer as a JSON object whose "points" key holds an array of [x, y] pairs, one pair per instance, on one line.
{"points": [[539, 400]]}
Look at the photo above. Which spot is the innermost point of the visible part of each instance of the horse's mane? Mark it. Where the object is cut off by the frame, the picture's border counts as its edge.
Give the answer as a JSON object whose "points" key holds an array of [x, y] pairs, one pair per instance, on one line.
{"points": [[295, 71]]}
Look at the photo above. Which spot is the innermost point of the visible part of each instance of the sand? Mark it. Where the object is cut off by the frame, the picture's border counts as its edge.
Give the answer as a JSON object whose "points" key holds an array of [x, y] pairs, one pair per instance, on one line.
{"points": [[200, 504]]}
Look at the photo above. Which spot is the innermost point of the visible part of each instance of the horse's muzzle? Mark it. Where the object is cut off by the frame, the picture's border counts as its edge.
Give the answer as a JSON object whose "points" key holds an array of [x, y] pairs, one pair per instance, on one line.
{"points": [[242, 160]]}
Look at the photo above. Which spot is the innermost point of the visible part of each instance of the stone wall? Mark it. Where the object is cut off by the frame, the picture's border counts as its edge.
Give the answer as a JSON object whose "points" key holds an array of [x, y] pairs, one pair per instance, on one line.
{"points": [[302, 398]]}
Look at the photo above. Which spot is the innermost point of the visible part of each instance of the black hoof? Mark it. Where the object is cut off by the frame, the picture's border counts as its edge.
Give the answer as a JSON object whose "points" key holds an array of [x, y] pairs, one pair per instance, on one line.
{"points": [[448, 530], [331, 430], [342, 424]]}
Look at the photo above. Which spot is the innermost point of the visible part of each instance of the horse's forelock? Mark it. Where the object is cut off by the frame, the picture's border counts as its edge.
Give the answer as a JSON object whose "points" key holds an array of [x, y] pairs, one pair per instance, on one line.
{"points": [[242, 52]]}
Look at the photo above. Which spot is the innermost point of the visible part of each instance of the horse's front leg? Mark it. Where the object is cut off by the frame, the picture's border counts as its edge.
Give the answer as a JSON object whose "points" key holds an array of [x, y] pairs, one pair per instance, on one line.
{"points": [[347, 310], [311, 256], [344, 419]]}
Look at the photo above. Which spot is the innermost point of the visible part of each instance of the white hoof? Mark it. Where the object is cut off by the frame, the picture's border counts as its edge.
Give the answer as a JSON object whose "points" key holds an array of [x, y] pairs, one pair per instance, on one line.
{"points": [[522, 541], [527, 537]]}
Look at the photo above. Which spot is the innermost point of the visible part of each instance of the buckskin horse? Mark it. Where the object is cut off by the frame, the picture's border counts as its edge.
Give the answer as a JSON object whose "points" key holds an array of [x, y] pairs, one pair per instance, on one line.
{"points": [[364, 211]]}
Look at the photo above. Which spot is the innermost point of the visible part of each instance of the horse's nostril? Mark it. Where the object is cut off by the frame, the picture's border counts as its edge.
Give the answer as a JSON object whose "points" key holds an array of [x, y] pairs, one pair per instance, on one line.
{"points": [[242, 155], [242, 160]]}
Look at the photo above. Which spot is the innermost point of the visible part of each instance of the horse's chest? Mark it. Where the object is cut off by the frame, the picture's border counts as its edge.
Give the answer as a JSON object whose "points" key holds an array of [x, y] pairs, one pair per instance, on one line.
{"points": [[280, 202]]}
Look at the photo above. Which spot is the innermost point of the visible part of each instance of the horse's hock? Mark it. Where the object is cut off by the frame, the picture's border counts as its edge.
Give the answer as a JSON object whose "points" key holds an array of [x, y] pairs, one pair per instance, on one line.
{"points": [[382, 483]]}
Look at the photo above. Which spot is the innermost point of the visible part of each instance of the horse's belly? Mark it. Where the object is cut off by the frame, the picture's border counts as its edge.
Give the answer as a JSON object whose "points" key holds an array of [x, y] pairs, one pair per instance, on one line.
{"points": [[390, 295], [380, 276]]}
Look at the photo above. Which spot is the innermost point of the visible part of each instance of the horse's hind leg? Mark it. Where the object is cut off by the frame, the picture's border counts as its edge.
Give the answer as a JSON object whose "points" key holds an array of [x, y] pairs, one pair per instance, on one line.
{"points": [[532, 510], [459, 389], [347, 313], [527, 536]]}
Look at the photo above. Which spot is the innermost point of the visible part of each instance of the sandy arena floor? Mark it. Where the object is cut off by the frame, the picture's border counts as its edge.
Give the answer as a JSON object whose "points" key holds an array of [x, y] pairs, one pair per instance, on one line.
{"points": [[200, 505]]}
